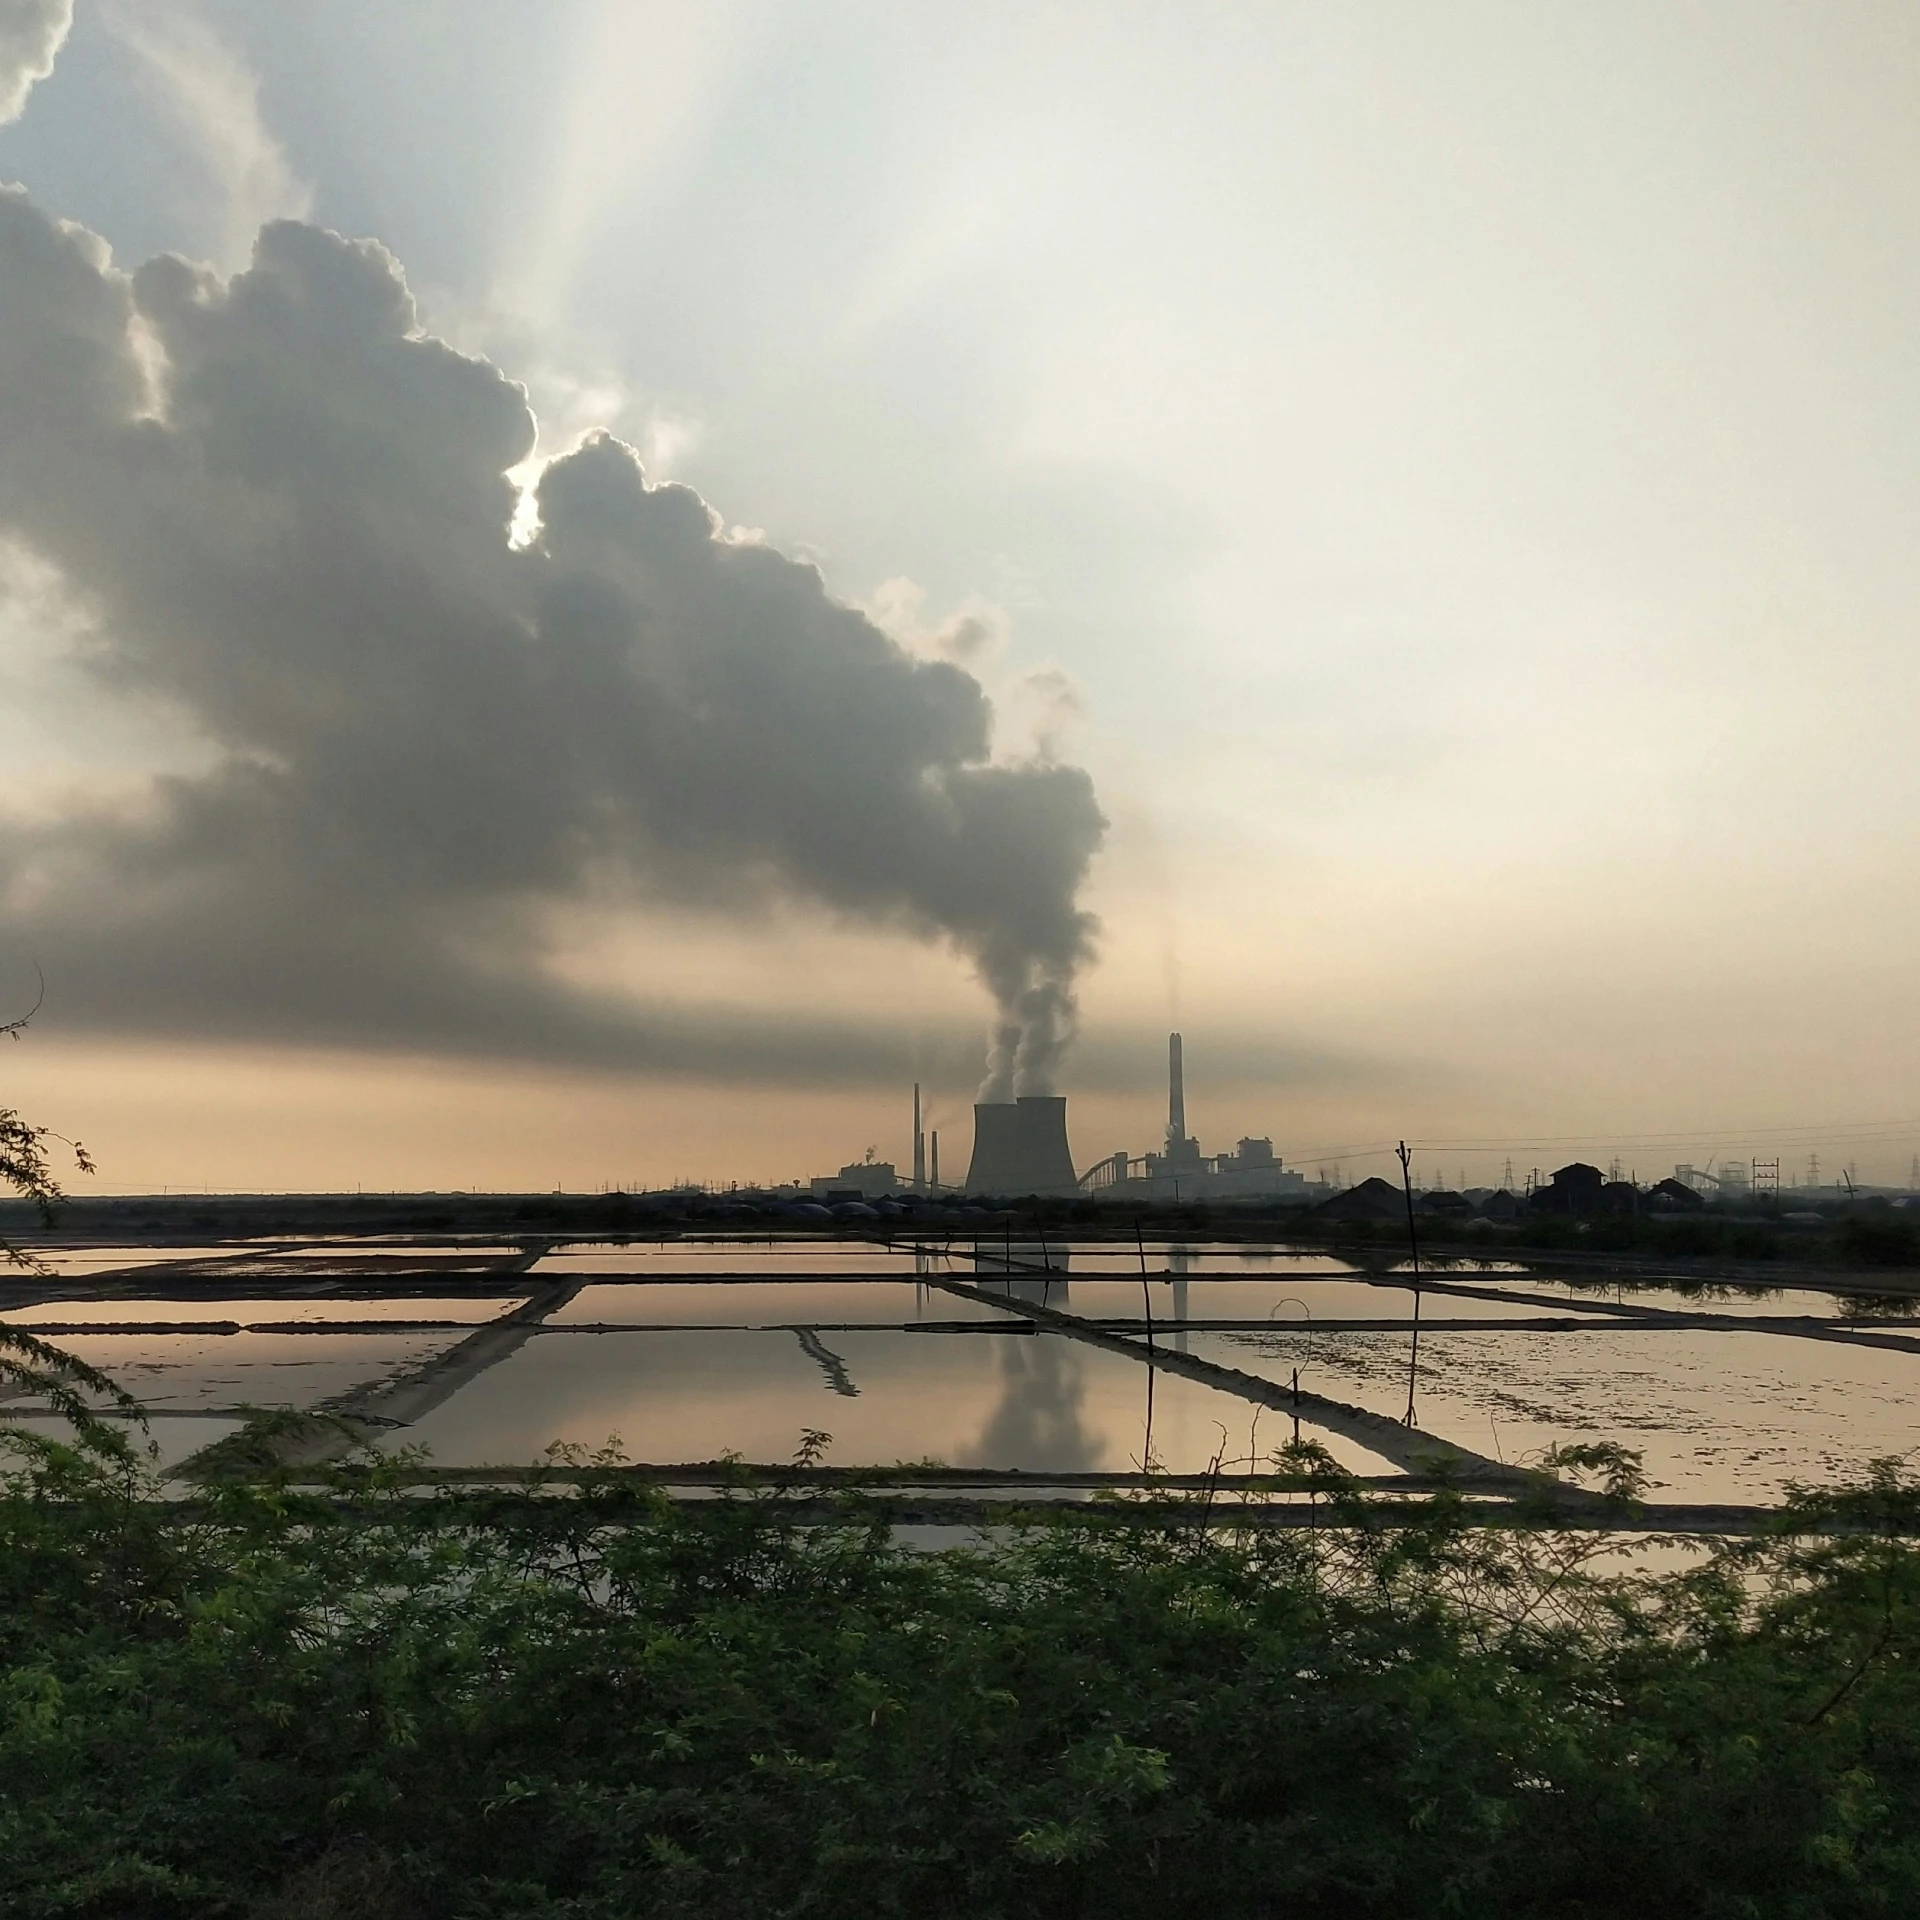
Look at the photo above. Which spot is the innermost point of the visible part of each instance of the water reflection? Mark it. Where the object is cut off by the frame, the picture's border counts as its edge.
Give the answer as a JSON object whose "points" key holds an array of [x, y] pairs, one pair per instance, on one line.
{"points": [[1041, 1414], [1217, 1297], [1718, 1416], [829, 1362], [1037, 1402], [203, 1371], [1018, 1256], [767, 1303]]}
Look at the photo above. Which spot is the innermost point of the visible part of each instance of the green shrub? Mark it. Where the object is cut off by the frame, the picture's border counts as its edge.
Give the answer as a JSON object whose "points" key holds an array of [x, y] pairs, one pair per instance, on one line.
{"points": [[1877, 1241], [602, 1703]]}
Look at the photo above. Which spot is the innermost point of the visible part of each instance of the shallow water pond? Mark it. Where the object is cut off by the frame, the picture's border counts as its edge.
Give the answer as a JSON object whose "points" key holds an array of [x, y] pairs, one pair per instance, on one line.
{"points": [[744, 1256], [194, 1370], [1284, 1299], [768, 1303], [1032, 1401], [283, 1309], [1728, 1416]]}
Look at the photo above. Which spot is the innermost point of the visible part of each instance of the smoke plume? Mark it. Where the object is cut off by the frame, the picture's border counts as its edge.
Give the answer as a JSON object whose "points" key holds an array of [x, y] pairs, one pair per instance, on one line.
{"points": [[282, 510]]}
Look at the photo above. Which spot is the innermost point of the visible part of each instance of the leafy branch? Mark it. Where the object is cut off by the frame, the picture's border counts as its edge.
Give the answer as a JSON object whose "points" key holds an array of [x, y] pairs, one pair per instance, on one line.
{"points": [[30, 1366]]}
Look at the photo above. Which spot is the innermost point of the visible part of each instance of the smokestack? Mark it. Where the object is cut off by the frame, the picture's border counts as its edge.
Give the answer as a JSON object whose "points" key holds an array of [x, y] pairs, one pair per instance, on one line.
{"points": [[1176, 1095], [934, 1175], [919, 1145], [1020, 1146]]}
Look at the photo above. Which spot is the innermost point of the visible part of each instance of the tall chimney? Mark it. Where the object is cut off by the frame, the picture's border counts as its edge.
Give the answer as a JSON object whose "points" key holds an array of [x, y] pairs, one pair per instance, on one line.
{"points": [[1176, 1095], [934, 1175], [919, 1145]]}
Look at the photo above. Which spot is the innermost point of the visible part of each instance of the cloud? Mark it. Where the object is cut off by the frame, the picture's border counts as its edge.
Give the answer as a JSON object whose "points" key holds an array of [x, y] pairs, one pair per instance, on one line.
{"points": [[31, 33], [285, 511], [975, 629], [213, 101]]}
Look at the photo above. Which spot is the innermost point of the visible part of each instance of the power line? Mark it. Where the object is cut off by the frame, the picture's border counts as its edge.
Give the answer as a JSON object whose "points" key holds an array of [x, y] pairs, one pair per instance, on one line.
{"points": [[1844, 1133]]}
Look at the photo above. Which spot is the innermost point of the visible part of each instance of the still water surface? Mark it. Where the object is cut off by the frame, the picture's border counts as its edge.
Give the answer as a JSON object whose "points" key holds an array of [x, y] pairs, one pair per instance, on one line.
{"points": [[1720, 1414], [198, 1372], [1038, 1402], [770, 1303], [1717, 1416]]}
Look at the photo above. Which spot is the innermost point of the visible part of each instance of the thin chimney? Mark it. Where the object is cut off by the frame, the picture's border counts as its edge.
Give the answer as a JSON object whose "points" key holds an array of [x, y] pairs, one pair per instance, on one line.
{"points": [[919, 1145], [1176, 1095]]}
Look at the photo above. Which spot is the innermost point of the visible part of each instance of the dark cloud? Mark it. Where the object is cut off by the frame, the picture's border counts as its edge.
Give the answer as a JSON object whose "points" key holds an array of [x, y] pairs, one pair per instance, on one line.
{"points": [[285, 512]]}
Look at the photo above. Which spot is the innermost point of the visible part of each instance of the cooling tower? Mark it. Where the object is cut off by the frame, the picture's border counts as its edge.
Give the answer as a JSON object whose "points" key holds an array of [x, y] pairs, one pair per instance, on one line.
{"points": [[1020, 1146]]}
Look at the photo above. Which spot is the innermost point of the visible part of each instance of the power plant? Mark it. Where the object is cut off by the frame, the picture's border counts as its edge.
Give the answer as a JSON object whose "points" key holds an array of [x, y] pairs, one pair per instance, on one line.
{"points": [[1182, 1151], [1252, 1171], [1020, 1146]]}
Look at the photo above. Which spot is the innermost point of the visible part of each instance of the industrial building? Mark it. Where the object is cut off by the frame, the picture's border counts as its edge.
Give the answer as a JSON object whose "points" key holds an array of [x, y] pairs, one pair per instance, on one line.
{"points": [[1252, 1171], [867, 1179], [1020, 1148], [872, 1179]]}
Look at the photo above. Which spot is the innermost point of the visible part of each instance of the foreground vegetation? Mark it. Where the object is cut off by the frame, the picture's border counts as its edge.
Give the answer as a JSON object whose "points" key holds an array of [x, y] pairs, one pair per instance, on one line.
{"points": [[371, 1703]]}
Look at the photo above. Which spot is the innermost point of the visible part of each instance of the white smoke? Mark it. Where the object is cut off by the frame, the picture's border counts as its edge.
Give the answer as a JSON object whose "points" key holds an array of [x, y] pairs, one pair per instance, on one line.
{"points": [[287, 511]]}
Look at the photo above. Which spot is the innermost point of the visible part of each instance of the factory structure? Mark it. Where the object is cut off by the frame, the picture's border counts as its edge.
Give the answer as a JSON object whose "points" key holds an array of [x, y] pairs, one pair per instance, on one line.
{"points": [[872, 1179], [1020, 1147], [1180, 1171]]}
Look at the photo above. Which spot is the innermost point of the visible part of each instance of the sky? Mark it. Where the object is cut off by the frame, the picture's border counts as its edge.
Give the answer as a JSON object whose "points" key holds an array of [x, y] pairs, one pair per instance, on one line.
{"points": [[588, 591]]}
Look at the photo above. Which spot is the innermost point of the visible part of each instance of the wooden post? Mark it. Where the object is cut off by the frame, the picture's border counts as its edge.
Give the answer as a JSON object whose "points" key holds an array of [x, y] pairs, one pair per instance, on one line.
{"points": [[1413, 1244]]}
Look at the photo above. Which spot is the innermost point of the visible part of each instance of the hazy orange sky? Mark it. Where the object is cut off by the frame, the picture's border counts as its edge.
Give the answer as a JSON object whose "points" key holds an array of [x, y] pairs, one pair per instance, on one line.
{"points": [[1439, 484]]}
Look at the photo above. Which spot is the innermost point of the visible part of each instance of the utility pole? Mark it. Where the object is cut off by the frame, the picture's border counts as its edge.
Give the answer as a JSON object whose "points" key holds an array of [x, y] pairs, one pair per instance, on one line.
{"points": [[1413, 1243]]}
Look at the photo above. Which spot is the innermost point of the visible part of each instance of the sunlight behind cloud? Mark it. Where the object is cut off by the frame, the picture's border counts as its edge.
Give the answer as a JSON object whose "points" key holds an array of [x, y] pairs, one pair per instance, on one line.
{"points": [[1461, 461], [212, 101], [646, 77]]}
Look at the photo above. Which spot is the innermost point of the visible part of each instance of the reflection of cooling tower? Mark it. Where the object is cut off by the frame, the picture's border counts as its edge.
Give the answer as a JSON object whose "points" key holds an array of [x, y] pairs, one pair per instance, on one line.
{"points": [[1020, 1146]]}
